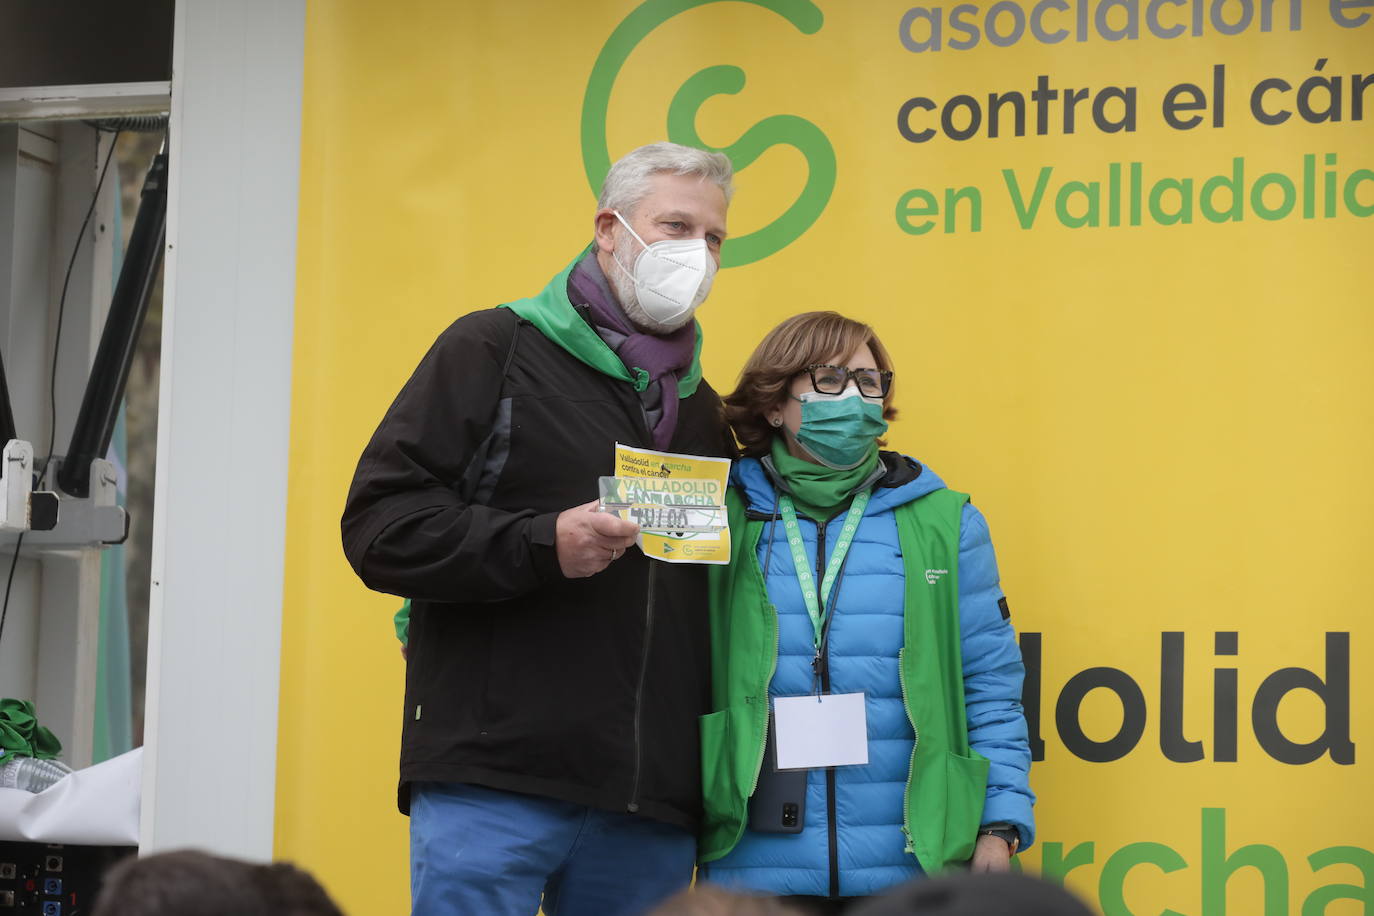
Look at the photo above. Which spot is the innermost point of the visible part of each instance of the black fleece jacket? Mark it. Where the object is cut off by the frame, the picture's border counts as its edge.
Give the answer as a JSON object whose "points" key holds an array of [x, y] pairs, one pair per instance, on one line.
{"points": [[584, 690]]}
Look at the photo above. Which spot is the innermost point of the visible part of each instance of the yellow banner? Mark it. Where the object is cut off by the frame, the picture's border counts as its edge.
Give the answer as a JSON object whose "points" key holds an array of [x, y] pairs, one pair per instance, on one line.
{"points": [[1122, 255]]}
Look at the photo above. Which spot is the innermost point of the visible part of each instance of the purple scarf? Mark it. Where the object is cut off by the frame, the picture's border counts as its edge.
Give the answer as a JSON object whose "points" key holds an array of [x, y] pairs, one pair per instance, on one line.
{"points": [[662, 356]]}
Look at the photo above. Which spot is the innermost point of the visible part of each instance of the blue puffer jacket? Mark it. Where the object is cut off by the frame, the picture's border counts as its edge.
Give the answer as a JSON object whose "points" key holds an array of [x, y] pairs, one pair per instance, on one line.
{"points": [[865, 634]]}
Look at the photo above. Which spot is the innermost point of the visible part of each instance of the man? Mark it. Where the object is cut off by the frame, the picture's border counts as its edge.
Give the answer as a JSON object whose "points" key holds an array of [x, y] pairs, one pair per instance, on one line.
{"points": [[554, 674]]}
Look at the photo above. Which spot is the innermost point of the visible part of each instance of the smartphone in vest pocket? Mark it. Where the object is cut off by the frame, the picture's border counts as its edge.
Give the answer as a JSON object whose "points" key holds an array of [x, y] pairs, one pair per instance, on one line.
{"points": [[778, 804]]}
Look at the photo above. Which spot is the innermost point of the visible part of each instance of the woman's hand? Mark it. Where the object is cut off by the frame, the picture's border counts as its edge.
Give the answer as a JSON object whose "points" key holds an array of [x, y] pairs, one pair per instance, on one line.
{"points": [[990, 855]]}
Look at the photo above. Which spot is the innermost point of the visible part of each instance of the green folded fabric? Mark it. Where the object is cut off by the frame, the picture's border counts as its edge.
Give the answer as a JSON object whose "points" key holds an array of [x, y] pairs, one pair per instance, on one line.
{"points": [[21, 735]]}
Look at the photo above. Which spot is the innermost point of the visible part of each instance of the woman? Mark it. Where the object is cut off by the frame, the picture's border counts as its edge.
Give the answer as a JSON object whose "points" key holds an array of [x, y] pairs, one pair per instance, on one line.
{"points": [[854, 572]]}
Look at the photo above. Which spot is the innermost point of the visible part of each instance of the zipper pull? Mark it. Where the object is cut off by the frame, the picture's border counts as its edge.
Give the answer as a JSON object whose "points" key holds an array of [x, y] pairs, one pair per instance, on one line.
{"points": [[818, 675]]}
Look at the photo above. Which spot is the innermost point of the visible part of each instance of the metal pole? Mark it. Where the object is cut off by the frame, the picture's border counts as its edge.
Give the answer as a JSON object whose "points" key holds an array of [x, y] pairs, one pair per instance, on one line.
{"points": [[110, 372]]}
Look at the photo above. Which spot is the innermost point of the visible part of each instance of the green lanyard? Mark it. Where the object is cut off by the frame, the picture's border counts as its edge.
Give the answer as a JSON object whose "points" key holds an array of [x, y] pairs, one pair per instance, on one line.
{"points": [[803, 562]]}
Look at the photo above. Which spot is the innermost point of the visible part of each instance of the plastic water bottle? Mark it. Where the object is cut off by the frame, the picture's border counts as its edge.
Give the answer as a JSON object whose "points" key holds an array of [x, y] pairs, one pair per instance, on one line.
{"points": [[31, 774]]}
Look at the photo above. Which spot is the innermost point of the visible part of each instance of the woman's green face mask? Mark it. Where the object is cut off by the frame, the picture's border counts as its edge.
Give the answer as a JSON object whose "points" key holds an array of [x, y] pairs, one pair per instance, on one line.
{"points": [[838, 429]]}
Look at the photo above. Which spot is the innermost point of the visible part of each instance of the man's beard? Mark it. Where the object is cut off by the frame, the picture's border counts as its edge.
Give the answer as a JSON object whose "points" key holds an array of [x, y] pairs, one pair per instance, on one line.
{"points": [[623, 284]]}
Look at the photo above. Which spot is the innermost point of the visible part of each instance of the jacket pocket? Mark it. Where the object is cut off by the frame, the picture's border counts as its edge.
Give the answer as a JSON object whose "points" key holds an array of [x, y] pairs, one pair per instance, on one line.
{"points": [[728, 759], [966, 787]]}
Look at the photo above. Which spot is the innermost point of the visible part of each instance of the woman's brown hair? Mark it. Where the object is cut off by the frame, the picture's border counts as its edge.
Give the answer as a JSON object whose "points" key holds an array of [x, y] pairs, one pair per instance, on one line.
{"points": [[784, 353]]}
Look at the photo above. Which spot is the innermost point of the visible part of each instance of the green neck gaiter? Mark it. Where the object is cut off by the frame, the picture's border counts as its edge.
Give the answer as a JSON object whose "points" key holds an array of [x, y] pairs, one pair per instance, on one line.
{"points": [[819, 492]]}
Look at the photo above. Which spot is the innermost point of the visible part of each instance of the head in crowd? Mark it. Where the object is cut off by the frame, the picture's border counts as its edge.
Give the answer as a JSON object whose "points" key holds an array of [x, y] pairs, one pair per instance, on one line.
{"points": [[971, 894], [660, 223], [706, 900], [764, 402], [192, 883]]}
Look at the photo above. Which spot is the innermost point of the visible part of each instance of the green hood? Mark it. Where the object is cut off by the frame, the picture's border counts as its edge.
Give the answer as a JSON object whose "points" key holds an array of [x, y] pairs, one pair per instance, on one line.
{"points": [[556, 318]]}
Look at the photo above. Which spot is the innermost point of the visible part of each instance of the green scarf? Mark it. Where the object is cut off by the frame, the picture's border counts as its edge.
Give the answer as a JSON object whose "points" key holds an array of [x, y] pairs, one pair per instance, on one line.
{"points": [[556, 318], [819, 492]]}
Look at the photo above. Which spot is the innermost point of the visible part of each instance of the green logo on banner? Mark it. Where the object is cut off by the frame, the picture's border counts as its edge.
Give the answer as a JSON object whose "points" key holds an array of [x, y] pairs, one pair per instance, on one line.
{"points": [[784, 129]]}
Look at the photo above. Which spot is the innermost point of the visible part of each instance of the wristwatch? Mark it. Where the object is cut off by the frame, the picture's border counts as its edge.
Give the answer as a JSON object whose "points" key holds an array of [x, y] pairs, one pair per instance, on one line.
{"points": [[1004, 832]]}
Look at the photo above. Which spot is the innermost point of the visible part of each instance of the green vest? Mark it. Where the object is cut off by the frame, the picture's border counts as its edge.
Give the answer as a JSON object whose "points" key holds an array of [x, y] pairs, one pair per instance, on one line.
{"points": [[947, 781]]}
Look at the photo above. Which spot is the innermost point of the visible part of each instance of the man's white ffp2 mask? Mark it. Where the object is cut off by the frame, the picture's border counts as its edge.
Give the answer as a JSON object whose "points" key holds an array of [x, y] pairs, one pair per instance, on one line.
{"points": [[672, 277]]}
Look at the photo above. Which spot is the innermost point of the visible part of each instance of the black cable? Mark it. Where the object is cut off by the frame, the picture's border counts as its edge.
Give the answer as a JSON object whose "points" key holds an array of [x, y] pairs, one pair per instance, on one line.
{"points": [[52, 381], [62, 307]]}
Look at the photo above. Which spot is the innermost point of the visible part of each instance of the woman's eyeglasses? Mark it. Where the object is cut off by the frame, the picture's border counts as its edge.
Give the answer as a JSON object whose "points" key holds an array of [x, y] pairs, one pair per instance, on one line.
{"points": [[827, 379]]}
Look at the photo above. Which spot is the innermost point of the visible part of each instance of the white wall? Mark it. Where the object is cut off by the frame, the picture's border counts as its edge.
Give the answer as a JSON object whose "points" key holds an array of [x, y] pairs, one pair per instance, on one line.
{"points": [[223, 424], [48, 173]]}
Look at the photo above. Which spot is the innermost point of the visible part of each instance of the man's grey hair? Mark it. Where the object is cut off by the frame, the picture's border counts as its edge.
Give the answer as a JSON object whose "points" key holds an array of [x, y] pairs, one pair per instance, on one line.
{"points": [[628, 181]]}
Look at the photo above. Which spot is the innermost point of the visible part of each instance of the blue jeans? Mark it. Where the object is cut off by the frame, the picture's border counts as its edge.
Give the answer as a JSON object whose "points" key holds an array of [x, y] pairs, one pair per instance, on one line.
{"points": [[485, 852]]}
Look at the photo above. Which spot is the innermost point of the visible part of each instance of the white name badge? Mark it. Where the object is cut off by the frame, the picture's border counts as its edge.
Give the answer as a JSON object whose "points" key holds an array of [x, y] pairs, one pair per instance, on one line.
{"points": [[821, 731]]}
